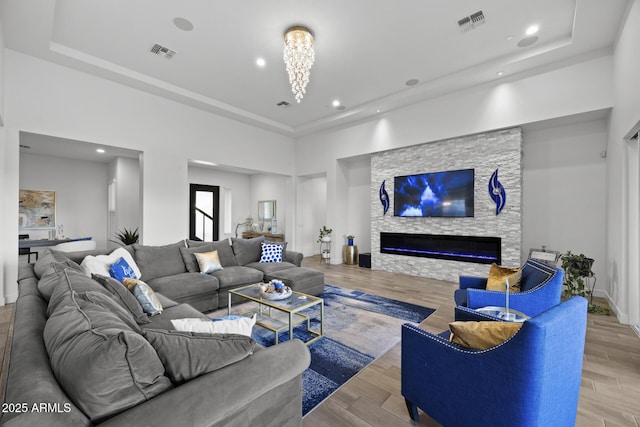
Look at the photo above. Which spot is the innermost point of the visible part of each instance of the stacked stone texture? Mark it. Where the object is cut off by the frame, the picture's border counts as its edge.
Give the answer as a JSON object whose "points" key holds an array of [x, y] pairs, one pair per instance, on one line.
{"points": [[484, 153]]}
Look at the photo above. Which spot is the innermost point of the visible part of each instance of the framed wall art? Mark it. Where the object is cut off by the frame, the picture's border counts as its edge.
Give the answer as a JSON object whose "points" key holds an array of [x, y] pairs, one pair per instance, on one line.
{"points": [[37, 209]]}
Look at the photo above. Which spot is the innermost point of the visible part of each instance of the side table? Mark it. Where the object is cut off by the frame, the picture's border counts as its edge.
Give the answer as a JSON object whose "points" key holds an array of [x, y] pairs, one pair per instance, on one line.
{"points": [[325, 252], [350, 255]]}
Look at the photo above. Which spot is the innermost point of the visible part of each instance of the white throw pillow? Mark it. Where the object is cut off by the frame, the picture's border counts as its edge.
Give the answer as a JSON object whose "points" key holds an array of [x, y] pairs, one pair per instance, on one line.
{"points": [[242, 325], [100, 264]]}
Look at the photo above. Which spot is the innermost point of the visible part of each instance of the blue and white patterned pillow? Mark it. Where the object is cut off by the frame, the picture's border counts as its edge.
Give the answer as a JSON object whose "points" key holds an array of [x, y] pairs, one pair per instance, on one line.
{"points": [[271, 252], [121, 270]]}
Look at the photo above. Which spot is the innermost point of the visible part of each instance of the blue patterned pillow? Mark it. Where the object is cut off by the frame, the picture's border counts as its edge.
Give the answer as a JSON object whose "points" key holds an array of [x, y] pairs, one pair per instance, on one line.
{"points": [[272, 252], [121, 270]]}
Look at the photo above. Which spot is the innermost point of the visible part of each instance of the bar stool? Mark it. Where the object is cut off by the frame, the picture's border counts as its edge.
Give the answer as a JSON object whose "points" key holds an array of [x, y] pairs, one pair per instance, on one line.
{"points": [[26, 251]]}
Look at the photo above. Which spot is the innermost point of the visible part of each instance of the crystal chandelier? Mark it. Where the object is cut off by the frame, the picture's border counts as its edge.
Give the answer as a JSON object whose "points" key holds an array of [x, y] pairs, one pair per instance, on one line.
{"points": [[298, 57]]}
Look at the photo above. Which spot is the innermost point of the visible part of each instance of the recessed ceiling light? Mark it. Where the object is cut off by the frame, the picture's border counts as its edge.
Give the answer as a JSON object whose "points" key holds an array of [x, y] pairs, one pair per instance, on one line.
{"points": [[336, 103], [527, 41], [411, 82], [260, 62], [532, 30], [100, 150], [183, 24], [378, 110], [500, 73]]}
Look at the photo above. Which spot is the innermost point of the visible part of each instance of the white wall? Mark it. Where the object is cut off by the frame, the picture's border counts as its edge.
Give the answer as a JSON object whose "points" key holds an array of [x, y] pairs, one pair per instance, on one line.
{"points": [[125, 174], [623, 178], [81, 194], [359, 202], [1, 73], [49, 99], [3, 155], [564, 191], [311, 213]]}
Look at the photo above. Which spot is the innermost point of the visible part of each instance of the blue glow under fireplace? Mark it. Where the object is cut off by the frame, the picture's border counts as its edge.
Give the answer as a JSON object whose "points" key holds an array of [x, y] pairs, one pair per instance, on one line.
{"points": [[479, 250]]}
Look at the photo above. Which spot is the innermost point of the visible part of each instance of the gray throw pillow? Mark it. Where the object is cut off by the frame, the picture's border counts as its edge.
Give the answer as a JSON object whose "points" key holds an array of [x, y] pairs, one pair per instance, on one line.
{"points": [[101, 364], [189, 258], [125, 298], [187, 355], [92, 302], [46, 257], [159, 261], [51, 276], [71, 280], [247, 250]]}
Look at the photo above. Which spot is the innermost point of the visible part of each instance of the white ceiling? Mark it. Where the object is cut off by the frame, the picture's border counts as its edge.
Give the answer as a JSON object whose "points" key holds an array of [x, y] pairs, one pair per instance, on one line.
{"points": [[365, 49]]}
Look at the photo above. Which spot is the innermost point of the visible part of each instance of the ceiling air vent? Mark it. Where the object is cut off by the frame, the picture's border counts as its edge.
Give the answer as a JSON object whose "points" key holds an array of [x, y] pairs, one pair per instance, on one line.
{"points": [[283, 104], [471, 21], [160, 50]]}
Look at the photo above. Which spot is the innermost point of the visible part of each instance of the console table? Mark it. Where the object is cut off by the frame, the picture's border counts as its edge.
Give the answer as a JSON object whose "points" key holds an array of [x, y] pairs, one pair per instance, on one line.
{"points": [[268, 236]]}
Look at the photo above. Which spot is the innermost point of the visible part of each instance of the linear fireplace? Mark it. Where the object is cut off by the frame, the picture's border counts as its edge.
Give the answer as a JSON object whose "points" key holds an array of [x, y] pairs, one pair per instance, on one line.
{"points": [[479, 250]]}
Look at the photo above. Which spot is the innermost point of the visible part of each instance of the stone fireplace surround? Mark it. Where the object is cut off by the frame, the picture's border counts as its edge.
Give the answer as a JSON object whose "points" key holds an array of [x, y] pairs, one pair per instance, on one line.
{"points": [[484, 153]]}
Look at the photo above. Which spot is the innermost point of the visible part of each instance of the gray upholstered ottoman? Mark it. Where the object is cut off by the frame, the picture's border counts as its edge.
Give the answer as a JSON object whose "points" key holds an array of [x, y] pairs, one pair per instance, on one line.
{"points": [[300, 279]]}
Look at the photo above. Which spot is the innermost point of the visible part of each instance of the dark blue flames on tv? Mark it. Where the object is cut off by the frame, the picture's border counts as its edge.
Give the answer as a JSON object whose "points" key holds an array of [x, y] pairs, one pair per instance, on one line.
{"points": [[443, 194]]}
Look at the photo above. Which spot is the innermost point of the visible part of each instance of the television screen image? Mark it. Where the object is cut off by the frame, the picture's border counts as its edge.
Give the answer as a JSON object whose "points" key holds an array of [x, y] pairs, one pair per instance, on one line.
{"points": [[440, 194]]}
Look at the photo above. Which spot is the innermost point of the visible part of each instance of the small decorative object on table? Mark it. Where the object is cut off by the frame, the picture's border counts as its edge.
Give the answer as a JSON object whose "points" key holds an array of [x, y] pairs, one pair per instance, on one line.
{"points": [[274, 290]]}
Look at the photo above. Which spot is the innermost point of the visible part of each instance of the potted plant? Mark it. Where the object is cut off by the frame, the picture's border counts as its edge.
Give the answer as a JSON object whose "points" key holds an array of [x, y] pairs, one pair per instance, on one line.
{"points": [[579, 279], [350, 238], [325, 234], [127, 237]]}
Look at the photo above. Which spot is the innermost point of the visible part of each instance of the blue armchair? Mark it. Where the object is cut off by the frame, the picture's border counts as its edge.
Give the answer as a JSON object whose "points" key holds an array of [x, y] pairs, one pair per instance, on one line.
{"points": [[541, 288], [532, 379]]}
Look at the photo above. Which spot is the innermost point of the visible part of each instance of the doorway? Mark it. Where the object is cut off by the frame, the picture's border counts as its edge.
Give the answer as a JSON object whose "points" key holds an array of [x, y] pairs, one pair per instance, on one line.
{"points": [[204, 206]]}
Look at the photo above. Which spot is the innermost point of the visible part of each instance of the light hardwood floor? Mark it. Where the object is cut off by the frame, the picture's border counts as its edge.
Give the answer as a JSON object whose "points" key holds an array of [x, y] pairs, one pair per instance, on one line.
{"points": [[609, 395]]}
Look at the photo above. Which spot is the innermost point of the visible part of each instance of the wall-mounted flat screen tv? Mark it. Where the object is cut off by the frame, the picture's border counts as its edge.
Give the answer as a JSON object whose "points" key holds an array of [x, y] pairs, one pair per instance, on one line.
{"points": [[440, 194]]}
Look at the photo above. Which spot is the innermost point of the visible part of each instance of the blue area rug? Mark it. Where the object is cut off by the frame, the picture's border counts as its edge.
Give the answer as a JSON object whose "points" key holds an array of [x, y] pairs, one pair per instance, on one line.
{"points": [[358, 328]]}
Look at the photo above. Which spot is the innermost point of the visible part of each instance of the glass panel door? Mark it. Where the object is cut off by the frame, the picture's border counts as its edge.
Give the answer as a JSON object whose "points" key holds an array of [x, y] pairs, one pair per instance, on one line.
{"points": [[204, 202]]}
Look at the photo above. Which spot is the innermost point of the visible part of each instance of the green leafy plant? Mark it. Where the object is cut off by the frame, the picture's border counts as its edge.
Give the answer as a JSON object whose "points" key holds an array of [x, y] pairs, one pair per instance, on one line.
{"points": [[580, 280], [324, 232], [127, 237]]}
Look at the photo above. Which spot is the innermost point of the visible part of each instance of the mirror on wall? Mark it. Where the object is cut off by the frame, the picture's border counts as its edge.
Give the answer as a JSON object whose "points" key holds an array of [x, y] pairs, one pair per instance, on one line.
{"points": [[266, 209]]}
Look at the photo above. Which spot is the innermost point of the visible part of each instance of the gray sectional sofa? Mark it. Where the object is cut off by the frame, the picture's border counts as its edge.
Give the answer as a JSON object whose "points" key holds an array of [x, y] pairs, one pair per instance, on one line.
{"points": [[81, 355], [172, 270]]}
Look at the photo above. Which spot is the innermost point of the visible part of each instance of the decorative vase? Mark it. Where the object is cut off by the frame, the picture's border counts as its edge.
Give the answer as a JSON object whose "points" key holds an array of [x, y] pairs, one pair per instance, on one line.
{"points": [[349, 242], [326, 239]]}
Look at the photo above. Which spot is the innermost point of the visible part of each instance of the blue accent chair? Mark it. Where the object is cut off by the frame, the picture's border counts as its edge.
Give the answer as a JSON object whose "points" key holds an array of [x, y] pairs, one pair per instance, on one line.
{"points": [[530, 380], [541, 288]]}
